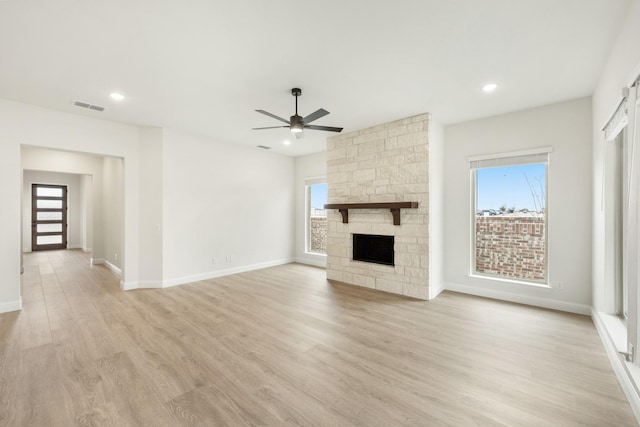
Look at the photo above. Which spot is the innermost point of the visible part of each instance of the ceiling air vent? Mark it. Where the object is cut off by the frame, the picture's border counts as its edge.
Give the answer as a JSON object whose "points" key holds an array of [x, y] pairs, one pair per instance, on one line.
{"points": [[264, 147], [89, 106]]}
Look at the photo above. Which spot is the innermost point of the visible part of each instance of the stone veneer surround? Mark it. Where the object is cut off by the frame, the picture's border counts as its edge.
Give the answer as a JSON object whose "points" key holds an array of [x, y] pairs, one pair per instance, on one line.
{"points": [[385, 163]]}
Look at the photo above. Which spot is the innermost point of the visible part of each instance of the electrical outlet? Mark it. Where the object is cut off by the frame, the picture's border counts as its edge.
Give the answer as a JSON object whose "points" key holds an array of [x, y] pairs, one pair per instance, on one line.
{"points": [[115, 256], [213, 260], [228, 258], [560, 285]]}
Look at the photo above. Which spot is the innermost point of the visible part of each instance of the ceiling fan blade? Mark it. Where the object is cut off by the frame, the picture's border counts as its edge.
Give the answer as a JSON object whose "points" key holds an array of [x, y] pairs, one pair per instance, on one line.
{"points": [[327, 128], [270, 127], [315, 116], [299, 135], [266, 113]]}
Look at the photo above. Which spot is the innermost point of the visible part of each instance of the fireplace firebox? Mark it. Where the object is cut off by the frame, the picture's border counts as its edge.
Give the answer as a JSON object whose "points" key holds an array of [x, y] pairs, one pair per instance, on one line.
{"points": [[373, 248]]}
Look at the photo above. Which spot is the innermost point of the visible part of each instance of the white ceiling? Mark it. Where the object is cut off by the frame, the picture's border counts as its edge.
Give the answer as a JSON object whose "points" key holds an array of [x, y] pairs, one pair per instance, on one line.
{"points": [[204, 66]]}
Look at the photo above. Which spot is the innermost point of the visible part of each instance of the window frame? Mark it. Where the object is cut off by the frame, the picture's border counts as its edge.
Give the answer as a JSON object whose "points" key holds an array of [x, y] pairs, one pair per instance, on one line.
{"points": [[501, 160], [308, 182]]}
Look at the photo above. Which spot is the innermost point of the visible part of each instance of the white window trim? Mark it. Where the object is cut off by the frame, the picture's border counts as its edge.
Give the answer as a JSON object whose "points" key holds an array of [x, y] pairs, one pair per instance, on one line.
{"points": [[521, 153]]}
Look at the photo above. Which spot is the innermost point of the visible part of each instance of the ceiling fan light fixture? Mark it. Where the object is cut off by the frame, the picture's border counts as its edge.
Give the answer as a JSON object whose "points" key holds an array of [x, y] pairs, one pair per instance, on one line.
{"points": [[297, 124]]}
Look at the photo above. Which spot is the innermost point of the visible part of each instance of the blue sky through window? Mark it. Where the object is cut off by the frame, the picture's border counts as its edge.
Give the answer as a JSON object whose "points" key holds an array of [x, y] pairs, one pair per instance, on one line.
{"points": [[508, 186], [318, 195]]}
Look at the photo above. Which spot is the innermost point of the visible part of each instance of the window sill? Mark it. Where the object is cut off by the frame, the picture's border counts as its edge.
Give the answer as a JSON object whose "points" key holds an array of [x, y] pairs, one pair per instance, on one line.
{"points": [[616, 329], [510, 281]]}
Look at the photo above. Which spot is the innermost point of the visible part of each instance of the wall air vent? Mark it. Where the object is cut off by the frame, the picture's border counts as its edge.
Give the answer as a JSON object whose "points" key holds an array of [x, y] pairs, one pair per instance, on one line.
{"points": [[89, 106], [264, 147]]}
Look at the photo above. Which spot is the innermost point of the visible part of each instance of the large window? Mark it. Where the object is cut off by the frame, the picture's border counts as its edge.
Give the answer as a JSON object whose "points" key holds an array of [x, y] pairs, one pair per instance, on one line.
{"points": [[316, 217], [510, 217]]}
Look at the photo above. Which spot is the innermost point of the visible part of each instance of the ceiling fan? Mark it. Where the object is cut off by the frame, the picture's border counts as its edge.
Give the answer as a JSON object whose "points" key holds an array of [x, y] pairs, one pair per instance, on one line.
{"points": [[297, 123]]}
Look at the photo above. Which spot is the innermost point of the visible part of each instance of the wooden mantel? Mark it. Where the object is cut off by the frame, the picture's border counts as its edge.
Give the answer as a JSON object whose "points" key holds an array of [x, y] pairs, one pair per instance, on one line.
{"points": [[395, 207]]}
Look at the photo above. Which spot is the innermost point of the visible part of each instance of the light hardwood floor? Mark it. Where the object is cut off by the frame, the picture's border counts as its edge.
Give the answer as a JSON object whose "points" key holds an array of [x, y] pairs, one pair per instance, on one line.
{"points": [[282, 346]]}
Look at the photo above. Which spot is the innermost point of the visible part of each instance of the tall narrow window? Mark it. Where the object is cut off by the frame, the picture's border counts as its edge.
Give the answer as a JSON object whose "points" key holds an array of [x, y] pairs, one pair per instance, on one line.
{"points": [[510, 217], [616, 203], [316, 217], [617, 170]]}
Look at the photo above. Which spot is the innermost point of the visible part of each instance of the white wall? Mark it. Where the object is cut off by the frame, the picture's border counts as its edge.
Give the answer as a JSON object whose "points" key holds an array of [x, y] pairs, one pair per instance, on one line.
{"points": [[74, 202], [436, 207], [564, 126], [234, 204], [86, 212], [112, 212], [307, 167], [151, 188]]}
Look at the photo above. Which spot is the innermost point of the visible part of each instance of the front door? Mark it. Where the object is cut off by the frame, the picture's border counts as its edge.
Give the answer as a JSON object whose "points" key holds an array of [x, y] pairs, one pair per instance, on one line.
{"points": [[48, 217]]}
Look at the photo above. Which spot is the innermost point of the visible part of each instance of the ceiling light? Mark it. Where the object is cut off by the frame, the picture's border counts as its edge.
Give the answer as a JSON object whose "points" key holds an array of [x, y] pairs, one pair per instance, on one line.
{"points": [[286, 142], [489, 87], [116, 96], [296, 126]]}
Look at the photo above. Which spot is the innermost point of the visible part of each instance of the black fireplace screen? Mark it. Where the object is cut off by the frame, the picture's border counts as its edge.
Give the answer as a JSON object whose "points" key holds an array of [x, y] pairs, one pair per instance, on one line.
{"points": [[373, 248]]}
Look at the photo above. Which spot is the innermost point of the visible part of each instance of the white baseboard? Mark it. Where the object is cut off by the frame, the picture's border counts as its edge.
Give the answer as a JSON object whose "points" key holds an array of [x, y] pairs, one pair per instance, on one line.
{"points": [[520, 299], [627, 373], [313, 262], [142, 284], [115, 269], [203, 276], [6, 307]]}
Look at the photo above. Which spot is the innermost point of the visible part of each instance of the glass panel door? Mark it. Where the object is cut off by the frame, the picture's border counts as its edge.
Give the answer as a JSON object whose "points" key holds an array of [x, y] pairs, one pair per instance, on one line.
{"points": [[48, 217]]}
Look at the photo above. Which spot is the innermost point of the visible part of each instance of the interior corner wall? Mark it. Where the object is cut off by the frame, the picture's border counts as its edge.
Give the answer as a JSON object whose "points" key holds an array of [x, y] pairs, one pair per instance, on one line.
{"points": [[27, 125], [86, 212], [226, 208], [10, 249], [151, 197], [112, 211], [622, 66], [307, 167], [436, 208], [566, 127], [74, 204]]}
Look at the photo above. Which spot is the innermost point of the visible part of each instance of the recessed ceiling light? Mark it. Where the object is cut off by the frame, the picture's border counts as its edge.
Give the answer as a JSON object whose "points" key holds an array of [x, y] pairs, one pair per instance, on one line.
{"points": [[286, 142], [489, 87], [116, 96]]}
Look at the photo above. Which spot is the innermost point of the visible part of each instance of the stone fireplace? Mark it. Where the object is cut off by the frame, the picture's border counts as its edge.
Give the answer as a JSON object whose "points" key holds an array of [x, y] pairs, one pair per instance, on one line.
{"points": [[385, 163]]}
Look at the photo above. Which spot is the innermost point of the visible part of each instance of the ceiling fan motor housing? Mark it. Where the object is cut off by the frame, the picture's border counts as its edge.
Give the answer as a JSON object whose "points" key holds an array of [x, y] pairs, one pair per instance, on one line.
{"points": [[297, 124]]}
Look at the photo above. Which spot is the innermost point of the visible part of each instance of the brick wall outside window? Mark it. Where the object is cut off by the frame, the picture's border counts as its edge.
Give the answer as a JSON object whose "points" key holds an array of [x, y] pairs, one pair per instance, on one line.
{"points": [[318, 242], [511, 246]]}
